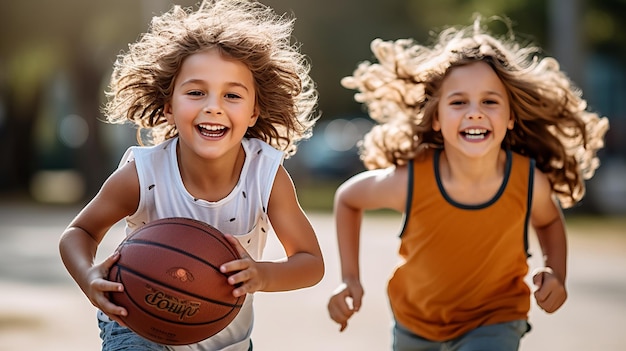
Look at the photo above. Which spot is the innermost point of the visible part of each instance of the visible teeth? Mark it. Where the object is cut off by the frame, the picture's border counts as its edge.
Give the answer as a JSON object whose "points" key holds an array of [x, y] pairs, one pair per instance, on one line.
{"points": [[476, 131], [212, 128], [475, 134]]}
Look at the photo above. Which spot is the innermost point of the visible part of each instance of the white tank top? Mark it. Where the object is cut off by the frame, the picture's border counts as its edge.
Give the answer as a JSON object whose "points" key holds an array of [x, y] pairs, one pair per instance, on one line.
{"points": [[242, 213]]}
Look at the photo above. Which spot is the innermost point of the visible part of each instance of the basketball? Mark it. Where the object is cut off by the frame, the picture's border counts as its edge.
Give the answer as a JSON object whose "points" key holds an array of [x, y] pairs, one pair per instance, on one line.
{"points": [[174, 291]]}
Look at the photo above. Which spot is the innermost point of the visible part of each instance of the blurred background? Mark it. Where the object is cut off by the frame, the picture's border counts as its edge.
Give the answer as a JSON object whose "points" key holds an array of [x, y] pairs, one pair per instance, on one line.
{"points": [[55, 152], [56, 57]]}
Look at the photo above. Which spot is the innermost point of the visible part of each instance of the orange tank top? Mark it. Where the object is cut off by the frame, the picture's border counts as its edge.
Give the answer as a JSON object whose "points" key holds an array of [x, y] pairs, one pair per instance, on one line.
{"points": [[463, 265]]}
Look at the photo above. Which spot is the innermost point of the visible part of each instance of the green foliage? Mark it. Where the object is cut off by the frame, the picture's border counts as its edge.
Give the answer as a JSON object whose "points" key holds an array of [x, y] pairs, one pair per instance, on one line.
{"points": [[82, 39]]}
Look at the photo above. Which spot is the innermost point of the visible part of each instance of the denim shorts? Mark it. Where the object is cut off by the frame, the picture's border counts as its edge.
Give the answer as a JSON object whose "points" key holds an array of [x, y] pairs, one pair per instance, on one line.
{"points": [[495, 337], [118, 338]]}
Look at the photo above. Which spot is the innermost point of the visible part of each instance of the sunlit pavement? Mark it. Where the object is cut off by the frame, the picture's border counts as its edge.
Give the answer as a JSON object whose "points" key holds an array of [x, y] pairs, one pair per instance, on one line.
{"points": [[42, 309]]}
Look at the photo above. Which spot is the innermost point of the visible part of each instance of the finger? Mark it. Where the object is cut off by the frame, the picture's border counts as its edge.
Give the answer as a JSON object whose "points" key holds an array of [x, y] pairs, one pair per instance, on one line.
{"points": [[116, 318], [542, 295], [111, 309], [110, 261], [539, 275], [548, 285], [105, 267], [342, 308], [339, 312], [242, 290], [237, 245], [239, 264], [246, 286], [232, 268], [549, 305], [538, 280], [357, 300], [341, 320], [107, 286], [119, 321]]}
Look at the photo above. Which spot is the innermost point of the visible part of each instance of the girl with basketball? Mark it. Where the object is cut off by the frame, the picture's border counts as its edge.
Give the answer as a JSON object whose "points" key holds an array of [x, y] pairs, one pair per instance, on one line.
{"points": [[478, 137], [223, 97]]}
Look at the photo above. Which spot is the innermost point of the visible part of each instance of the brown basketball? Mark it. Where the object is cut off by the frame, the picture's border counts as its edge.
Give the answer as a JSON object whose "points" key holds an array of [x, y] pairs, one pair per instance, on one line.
{"points": [[174, 291]]}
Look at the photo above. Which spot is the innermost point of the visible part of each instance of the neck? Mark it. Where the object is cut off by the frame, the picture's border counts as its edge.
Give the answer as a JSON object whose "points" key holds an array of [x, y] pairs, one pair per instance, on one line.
{"points": [[210, 180], [458, 168]]}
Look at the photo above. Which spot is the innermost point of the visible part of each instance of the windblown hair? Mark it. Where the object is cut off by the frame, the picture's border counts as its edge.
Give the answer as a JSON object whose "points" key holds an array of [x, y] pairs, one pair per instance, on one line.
{"points": [[143, 78], [552, 123]]}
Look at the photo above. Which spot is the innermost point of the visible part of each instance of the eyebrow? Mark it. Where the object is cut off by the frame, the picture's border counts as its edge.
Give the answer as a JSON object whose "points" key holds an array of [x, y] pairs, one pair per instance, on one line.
{"points": [[200, 81], [458, 93]]}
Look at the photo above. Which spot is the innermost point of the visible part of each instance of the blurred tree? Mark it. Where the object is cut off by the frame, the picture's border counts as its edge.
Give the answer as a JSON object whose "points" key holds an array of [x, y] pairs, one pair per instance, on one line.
{"points": [[605, 27], [41, 41]]}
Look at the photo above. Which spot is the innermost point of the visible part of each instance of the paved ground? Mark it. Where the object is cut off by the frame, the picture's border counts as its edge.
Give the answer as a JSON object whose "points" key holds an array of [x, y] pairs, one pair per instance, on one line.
{"points": [[42, 309]]}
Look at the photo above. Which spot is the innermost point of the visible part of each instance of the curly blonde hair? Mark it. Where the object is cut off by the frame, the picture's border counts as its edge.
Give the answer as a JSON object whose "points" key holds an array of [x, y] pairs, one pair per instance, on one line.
{"points": [[552, 123], [143, 78]]}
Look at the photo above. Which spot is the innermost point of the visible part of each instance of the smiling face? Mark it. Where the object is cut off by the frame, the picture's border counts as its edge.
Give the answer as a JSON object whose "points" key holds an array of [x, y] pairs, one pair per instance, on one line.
{"points": [[213, 103], [473, 113]]}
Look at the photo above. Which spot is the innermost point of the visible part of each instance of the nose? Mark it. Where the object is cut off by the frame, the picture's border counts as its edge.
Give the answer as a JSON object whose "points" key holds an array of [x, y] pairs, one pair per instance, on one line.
{"points": [[212, 106], [474, 112]]}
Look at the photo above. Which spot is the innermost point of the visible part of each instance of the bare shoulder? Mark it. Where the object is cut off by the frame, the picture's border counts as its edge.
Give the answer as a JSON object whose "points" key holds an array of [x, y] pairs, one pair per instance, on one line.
{"points": [[542, 188], [376, 189], [123, 183], [282, 183], [545, 208], [283, 193]]}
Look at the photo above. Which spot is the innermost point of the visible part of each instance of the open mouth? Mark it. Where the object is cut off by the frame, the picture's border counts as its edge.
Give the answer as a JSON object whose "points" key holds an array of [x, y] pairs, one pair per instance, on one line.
{"points": [[475, 134], [212, 130]]}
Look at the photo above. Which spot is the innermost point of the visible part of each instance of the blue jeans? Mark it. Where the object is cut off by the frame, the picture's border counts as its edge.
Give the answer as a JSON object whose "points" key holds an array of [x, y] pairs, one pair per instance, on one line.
{"points": [[117, 338], [495, 337]]}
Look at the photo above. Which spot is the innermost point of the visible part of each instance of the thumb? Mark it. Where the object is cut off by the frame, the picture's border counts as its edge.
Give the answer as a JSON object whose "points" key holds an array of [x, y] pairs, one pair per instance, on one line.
{"points": [[356, 294], [539, 274], [356, 302], [110, 261], [538, 279]]}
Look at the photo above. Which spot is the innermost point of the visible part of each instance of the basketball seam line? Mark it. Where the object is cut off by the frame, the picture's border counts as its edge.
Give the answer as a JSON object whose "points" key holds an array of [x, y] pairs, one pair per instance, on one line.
{"points": [[124, 268], [141, 241]]}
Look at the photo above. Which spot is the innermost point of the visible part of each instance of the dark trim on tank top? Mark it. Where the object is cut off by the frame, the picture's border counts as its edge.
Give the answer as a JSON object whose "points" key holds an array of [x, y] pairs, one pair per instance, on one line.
{"points": [[409, 197], [507, 174], [529, 197]]}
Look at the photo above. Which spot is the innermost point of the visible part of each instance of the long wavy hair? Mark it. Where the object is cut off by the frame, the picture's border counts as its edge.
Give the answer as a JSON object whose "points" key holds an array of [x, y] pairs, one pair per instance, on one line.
{"points": [[552, 123], [252, 33]]}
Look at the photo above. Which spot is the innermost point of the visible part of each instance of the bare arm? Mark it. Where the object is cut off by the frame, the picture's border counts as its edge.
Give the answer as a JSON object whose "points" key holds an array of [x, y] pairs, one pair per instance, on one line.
{"points": [[547, 220], [118, 197], [303, 266], [371, 190]]}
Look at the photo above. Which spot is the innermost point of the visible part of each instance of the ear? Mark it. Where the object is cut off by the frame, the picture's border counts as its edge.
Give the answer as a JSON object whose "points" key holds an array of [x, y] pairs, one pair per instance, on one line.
{"points": [[436, 125], [254, 117], [511, 122], [168, 113]]}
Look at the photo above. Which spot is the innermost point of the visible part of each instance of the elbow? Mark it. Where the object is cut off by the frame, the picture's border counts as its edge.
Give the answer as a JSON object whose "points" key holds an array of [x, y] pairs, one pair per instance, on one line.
{"points": [[316, 272]]}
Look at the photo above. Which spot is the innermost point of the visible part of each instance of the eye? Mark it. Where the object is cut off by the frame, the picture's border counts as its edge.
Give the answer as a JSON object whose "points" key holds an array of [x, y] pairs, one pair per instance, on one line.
{"points": [[490, 102], [457, 102], [232, 96], [195, 93]]}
